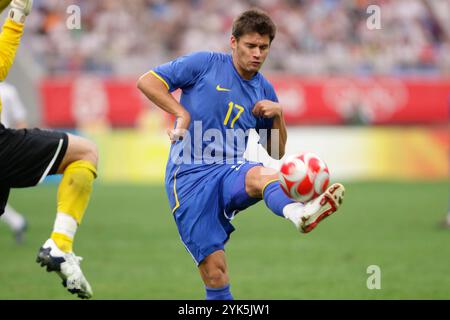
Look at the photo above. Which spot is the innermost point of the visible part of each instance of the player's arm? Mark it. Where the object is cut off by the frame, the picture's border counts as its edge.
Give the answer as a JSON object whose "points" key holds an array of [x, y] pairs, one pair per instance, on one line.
{"points": [[273, 110], [157, 91], [9, 41], [180, 73], [280, 125], [11, 34]]}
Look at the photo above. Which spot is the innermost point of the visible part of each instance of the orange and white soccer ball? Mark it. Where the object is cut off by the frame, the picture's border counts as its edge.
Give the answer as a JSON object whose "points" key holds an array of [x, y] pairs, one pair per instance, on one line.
{"points": [[304, 176]]}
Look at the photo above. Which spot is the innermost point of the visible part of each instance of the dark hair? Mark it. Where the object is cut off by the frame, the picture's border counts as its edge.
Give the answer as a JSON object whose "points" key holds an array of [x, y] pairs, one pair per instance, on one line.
{"points": [[254, 20]]}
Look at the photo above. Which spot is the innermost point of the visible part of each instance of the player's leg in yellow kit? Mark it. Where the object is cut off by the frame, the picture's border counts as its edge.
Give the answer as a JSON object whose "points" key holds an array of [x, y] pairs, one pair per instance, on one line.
{"points": [[79, 169]]}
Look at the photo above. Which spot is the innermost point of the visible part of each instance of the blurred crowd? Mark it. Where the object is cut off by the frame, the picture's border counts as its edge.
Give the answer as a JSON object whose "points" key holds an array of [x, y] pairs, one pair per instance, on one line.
{"points": [[314, 37]]}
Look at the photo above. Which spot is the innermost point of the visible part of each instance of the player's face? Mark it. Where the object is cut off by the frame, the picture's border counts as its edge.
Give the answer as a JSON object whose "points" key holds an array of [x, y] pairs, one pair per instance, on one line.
{"points": [[249, 53]]}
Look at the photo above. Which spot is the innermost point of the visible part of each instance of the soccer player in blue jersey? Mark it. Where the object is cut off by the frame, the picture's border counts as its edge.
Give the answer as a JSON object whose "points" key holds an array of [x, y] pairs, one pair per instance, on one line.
{"points": [[207, 178]]}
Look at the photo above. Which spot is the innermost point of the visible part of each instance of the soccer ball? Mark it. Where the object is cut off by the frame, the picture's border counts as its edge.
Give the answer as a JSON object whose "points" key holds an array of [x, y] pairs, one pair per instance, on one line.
{"points": [[304, 176]]}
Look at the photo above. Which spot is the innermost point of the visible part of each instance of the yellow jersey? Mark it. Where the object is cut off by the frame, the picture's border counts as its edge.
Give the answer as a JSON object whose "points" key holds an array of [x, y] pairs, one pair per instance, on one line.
{"points": [[9, 42]]}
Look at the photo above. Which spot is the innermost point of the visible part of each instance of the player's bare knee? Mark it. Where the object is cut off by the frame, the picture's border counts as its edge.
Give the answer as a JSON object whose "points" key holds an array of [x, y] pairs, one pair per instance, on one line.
{"points": [[86, 150], [257, 178], [252, 187], [79, 149], [214, 270], [215, 277], [90, 153]]}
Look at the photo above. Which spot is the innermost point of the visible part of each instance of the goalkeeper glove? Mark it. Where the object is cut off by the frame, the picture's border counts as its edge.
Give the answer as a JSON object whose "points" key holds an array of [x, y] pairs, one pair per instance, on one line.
{"points": [[20, 9]]}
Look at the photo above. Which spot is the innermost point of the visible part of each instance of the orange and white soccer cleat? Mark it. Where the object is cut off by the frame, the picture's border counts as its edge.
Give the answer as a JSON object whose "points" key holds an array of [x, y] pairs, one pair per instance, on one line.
{"points": [[307, 216]]}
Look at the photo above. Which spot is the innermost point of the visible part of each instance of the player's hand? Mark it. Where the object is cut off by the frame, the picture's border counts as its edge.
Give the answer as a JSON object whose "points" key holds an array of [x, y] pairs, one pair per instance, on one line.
{"points": [[181, 128], [22, 5], [267, 109]]}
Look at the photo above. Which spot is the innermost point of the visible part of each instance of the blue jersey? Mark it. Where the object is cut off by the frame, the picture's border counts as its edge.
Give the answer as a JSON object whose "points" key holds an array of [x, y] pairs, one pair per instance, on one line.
{"points": [[220, 103], [205, 174]]}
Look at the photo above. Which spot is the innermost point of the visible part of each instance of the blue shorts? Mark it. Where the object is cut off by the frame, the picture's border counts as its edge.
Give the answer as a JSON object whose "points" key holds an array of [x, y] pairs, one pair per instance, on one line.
{"points": [[204, 200]]}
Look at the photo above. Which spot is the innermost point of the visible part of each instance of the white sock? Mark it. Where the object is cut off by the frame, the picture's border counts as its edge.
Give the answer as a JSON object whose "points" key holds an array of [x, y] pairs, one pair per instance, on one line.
{"points": [[65, 224], [293, 212], [12, 218]]}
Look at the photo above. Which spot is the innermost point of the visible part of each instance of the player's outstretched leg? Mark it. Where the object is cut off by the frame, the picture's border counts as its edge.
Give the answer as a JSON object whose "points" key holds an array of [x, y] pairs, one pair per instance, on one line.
{"points": [[16, 222], [213, 270], [306, 217], [79, 171], [263, 183]]}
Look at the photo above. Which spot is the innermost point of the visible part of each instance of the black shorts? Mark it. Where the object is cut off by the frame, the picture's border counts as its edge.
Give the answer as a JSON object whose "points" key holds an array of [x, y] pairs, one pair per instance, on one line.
{"points": [[27, 156]]}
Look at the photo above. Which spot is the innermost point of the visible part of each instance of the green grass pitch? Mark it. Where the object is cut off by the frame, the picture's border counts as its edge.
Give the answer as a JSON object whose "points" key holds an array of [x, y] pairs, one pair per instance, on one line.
{"points": [[132, 250]]}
